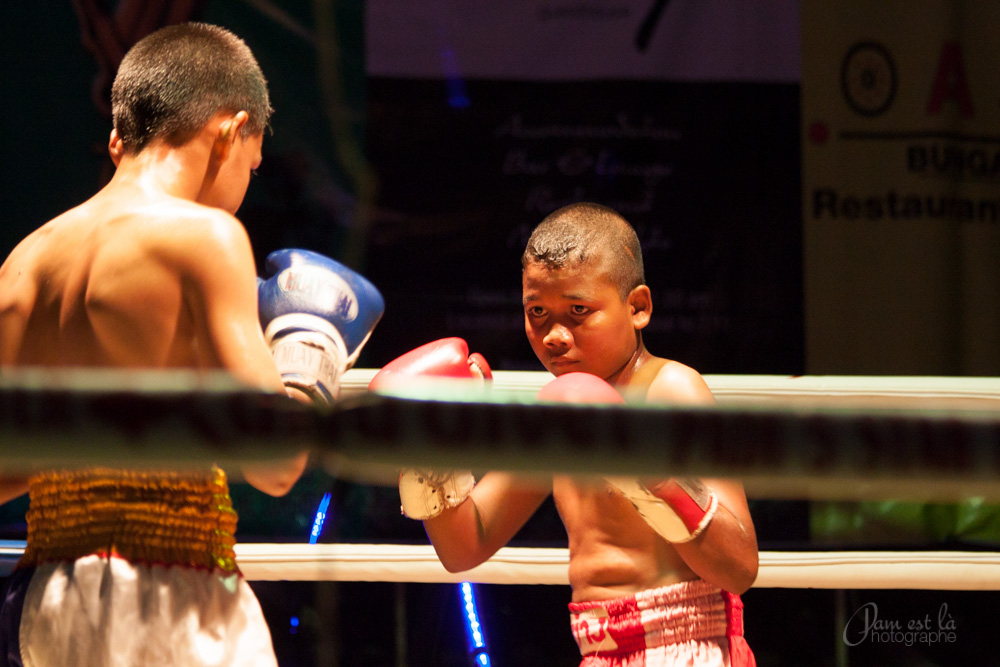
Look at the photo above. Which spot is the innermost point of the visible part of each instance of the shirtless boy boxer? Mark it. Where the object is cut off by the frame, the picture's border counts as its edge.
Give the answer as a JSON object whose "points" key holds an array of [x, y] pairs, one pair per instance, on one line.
{"points": [[136, 567], [657, 588]]}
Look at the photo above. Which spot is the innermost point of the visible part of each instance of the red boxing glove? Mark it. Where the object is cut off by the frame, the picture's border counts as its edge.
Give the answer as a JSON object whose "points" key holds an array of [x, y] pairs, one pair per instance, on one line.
{"points": [[447, 357], [579, 388], [425, 493]]}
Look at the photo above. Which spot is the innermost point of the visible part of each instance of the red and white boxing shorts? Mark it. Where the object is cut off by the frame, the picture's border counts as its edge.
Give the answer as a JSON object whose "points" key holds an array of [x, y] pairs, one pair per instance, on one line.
{"points": [[691, 623]]}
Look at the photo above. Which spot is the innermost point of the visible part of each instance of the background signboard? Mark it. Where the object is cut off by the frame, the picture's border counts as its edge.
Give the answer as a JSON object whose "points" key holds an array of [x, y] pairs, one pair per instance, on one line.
{"points": [[901, 187]]}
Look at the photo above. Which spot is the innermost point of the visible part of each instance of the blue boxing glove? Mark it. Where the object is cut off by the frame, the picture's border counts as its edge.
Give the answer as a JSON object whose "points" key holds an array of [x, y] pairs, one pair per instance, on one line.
{"points": [[317, 314]]}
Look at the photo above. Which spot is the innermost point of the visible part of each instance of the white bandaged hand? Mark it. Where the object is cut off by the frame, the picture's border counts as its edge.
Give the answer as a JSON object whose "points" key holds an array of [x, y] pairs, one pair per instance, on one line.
{"points": [[679, 509], [425, 493]]}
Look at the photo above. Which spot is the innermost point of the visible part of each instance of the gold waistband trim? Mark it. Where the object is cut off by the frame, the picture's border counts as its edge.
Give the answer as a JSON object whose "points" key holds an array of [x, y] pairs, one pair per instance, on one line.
{"points": [[155, 517]]}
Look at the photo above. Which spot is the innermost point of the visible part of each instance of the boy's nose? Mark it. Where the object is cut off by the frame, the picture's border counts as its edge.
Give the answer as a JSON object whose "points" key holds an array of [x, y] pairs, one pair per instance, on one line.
{"points": [[558, 336]]}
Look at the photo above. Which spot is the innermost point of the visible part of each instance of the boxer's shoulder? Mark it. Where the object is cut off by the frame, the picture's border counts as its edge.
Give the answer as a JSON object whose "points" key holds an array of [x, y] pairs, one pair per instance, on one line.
{"points": [[667, 380], [179, 233]]}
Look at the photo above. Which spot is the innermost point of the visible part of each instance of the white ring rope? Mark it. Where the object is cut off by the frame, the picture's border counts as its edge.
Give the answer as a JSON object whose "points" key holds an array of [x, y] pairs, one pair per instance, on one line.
{"points": [[929, 570], [828, 390], [918, 570]]}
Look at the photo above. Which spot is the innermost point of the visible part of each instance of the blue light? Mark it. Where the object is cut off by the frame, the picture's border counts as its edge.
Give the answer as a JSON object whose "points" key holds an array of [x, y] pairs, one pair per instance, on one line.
{"points": [[294, 621], [320, 518], [457, 96], [473, 629]]}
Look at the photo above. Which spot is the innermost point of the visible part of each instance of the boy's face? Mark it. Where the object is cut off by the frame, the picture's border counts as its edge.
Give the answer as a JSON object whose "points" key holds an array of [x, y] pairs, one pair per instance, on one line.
{"points": [[576, 320]]}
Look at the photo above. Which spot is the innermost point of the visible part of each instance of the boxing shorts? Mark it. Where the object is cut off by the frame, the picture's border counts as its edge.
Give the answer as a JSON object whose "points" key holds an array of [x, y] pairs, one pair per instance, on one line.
{"points": [[128, 568], [690, 623]]}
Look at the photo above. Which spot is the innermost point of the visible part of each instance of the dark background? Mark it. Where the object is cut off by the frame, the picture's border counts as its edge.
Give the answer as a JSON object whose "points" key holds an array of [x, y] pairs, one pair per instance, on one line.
{"points": [[404, 181], [408, 185]]}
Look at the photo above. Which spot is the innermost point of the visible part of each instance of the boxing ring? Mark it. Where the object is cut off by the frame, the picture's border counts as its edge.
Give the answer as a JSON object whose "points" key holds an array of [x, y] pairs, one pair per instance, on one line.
{"points": [[786, 438], [817, 438]]}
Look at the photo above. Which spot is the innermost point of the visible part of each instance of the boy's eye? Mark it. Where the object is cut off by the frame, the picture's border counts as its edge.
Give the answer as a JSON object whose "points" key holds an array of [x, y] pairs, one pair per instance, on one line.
{"points": [[579, 310], [536, 311]]}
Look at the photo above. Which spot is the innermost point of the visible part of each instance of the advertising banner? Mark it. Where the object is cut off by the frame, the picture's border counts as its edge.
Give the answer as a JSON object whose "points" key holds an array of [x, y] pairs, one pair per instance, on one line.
{"points": [[901, 186]]}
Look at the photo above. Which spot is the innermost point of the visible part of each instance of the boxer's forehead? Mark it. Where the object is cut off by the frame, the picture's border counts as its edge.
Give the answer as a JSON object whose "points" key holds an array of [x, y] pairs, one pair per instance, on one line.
{"points": [[576, 281]]}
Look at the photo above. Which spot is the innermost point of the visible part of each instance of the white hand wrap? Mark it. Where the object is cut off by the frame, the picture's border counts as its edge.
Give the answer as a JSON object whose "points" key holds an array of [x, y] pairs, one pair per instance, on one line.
{"points": [[679, 509], [426, 493]]}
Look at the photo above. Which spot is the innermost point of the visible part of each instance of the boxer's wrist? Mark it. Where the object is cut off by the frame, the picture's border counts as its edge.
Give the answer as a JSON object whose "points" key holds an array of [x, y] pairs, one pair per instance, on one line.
{"points": [[310, 362], [694, 503], [425, 493]]}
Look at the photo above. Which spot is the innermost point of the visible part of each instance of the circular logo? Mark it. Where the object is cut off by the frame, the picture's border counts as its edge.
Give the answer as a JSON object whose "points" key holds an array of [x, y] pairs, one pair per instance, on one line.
{"points": [[868, 78]]}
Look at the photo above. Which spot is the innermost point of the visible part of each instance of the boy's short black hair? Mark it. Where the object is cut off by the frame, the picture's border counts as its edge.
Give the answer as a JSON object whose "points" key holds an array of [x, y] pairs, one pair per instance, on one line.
{"points": [[173, 81], [583, 231]]}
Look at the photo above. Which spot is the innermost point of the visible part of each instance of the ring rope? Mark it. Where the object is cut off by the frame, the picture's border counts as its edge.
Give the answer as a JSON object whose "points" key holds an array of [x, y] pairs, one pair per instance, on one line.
{"points": [[831, 390], [939, 440], [929, 570], [916, 570]]}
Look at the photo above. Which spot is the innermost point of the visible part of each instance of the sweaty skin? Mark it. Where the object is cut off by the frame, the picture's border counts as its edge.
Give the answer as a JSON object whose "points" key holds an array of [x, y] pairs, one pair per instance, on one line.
{"points": [[576, 320], [614, 552], [153, 271]]}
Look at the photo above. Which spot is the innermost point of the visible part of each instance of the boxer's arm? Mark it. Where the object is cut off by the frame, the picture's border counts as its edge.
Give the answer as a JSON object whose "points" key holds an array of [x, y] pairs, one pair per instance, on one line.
{"points": [[220, 291], [12, 487], [725, 552], [469, 534], [16, 295]]}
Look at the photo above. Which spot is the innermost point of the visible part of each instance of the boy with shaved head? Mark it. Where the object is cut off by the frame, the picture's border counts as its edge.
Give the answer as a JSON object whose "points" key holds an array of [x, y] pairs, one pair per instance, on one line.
{"points": [[656, 565], [129, 566]]}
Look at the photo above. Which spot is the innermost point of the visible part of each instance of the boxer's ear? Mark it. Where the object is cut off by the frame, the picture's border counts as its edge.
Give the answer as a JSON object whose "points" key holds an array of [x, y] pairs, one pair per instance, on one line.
{"points": [[115, 147], [640, 304], [229, 130]]}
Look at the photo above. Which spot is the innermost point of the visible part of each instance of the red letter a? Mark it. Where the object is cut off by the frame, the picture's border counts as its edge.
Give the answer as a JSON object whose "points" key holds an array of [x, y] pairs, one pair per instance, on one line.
{"points": [[950, 83]]}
